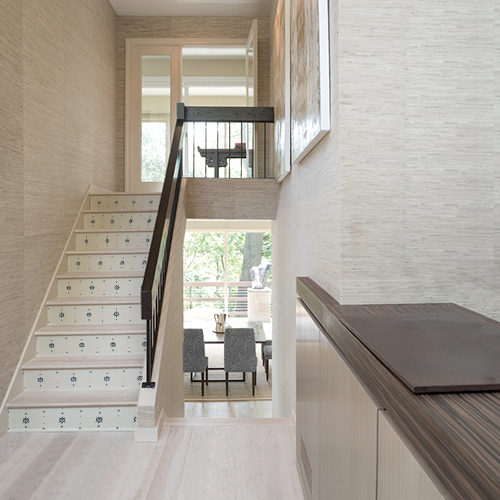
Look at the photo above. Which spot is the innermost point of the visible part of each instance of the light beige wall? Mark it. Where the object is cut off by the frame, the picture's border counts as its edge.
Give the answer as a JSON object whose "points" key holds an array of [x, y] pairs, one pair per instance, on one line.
{"points": [[420, 132], [58, 97], [185, 27], [12, 320], [306, 237], [399, 203]]}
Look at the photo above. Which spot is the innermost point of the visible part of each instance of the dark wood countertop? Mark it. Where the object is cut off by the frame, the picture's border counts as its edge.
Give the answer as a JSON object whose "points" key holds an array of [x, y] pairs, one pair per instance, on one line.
{"points": [[458, 434]]}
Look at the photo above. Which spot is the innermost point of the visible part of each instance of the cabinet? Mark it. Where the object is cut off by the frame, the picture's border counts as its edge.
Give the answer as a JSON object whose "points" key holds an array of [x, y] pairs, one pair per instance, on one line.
{"points": [[308, 402], [348, 448], [336, 421], [400, 475], [348, 431]]}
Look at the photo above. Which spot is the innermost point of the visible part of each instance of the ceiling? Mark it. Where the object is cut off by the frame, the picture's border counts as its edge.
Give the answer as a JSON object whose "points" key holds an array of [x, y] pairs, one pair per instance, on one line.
{"points": [[252, 8]]}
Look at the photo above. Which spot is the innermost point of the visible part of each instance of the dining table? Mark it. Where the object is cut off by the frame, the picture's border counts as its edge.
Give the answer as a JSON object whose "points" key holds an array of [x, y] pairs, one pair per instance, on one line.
{"points": [[210, 336]]}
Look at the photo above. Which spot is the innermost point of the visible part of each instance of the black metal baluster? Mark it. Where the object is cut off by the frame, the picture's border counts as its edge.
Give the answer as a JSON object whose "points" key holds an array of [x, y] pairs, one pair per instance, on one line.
{"points": [[194, 147], [229, 162], [216, 172], [265, 150]]}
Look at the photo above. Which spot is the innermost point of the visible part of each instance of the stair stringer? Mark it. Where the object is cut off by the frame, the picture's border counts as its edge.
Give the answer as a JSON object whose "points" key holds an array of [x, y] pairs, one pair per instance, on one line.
{"points": [[166, 399], [16, 385]]}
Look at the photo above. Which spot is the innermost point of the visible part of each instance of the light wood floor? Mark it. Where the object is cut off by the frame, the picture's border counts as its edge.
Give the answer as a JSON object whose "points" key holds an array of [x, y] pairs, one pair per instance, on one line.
{"points": [[229, 409], [232, 459]]}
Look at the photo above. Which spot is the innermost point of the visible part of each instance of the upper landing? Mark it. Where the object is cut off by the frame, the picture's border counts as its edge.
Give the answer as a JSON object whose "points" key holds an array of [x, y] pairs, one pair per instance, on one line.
{"points": [[231, 198]]}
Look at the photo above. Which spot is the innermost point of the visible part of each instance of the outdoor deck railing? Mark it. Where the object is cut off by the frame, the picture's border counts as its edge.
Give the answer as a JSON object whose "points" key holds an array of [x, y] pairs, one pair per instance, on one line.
{"points": [[213, 294]]}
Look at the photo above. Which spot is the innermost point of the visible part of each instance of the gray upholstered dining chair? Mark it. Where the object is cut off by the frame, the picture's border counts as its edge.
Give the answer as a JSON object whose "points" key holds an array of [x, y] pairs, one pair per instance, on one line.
{"points": [[267, 354], [194, 355], [239, 354]]}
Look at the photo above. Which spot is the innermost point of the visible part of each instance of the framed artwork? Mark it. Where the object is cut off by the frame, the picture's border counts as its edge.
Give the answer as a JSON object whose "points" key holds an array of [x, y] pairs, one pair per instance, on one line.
{"points": [[281, 66], [310, 75]]}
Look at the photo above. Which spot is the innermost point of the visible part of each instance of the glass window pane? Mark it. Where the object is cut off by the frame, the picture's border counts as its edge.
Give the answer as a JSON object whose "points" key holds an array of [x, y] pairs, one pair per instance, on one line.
{"points": [[155, 117], [205, 266]]}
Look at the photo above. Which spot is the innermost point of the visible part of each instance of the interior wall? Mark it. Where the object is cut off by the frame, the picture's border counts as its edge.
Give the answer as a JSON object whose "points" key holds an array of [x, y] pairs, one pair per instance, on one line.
{"points": [[184, 27], [420, 130], [400, 202], [12, 321], [57, 136], [306, 235]]}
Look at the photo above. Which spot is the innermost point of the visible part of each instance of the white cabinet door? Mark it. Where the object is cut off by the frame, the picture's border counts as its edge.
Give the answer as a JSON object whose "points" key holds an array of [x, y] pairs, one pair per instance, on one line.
{"points": [[308, 394], [400, 475], [348, 430]]}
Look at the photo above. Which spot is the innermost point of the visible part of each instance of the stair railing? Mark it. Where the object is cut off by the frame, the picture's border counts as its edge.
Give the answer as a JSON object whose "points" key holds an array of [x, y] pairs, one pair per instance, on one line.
{"points": [[155, 274]]}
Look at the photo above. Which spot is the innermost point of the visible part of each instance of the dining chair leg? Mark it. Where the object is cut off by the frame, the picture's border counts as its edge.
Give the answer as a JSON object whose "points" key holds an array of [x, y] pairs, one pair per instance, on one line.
{"points": [[202, 384], [266, 366], [244, 376], [254, 382], [227, 384]]}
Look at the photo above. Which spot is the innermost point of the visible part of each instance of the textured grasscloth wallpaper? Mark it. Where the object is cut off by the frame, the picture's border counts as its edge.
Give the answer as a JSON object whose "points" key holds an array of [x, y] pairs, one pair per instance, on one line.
{"points": [[12, 320], [306, 237], [185, 27], [400, 202], [57, 136], [420, 117]]}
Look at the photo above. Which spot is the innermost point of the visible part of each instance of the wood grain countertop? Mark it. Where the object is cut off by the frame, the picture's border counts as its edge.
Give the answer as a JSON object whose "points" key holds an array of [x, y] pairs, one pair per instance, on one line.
{"points": [[457, 433]]}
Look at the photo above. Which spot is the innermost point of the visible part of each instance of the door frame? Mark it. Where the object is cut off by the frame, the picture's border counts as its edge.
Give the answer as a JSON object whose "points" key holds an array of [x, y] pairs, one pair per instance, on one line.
{"points": [[134, 49]]}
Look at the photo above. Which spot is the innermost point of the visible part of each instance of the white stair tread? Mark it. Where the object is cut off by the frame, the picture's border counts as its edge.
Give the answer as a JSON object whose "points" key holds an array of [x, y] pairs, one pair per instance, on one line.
{"points": [[124, 193], [80, 398], [100, 275], [85, 362], [113, 251], [122, 211], [98, 300], [110, 231], [68, 330]]}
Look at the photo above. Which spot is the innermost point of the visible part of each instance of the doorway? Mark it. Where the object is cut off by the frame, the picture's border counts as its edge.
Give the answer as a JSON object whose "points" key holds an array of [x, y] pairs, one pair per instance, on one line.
{"points": [[163, 72], [218, 256]]}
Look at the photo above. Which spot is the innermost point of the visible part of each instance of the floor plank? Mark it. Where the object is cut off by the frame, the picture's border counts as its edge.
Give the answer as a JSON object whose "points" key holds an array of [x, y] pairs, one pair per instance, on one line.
{"points": [[229, 409], [213, 459], [82, 465], [22, 476]]}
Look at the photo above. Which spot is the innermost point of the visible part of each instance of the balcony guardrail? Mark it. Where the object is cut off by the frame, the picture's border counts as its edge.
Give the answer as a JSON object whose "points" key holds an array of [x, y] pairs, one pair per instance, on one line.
{"points": [[153, 286]]}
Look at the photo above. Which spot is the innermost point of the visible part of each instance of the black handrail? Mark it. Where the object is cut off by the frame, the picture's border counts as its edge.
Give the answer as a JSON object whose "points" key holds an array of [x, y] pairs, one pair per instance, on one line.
{"points": [[153, 285], [155, 274]]}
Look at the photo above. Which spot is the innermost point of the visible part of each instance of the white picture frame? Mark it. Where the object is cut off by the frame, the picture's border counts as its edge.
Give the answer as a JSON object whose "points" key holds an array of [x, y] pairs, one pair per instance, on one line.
{"points": [[282, 111], [310, 75]]}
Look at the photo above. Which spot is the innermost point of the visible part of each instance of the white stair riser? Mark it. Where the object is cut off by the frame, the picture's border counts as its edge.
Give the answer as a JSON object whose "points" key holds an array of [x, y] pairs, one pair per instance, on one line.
{"points": [[130, 220], [82, 379], [87, 345], [109, 287], [72, 419], [106, 241], [94, 315], [96, 263], [124, 202]]}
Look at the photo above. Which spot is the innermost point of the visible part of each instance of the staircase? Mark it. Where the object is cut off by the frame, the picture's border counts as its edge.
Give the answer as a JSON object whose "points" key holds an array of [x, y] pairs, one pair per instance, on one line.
{"points": [[90, 354]]}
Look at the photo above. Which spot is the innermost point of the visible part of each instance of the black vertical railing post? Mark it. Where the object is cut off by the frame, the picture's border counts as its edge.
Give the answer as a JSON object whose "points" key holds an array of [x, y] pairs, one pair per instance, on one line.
{"points": [[241, 149], [265, 150], [149, 356], [206, 147], [229, 133]]}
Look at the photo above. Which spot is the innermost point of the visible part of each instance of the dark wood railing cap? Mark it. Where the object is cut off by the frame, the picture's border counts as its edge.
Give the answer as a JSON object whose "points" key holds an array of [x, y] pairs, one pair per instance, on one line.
{"points": [[233, 114]]}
